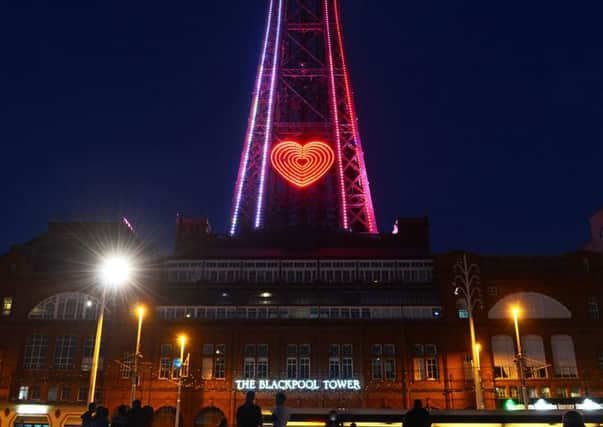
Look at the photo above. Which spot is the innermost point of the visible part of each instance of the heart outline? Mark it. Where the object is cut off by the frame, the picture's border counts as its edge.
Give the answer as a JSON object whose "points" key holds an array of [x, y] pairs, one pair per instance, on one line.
{"points": [[285, 156]]}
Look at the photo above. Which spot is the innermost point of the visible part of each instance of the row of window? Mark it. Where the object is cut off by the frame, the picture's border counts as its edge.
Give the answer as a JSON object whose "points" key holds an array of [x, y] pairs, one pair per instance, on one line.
{"points": [[300, 264], [298, 362], [54, 394], [544, 392], [298, 312], [301, 272], [65, 349], [66, 306], [535, 363]]}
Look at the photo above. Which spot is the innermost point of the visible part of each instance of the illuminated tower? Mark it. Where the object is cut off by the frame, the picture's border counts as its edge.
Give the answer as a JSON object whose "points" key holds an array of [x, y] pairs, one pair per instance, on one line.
{"points": [[302, 163]]}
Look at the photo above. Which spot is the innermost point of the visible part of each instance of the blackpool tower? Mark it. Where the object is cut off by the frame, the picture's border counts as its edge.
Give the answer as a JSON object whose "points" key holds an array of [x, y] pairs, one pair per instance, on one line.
{"points": [[302, 163]]}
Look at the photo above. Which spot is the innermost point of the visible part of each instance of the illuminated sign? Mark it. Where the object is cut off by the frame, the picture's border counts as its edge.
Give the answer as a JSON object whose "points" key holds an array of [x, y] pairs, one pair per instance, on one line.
{"points": [[302, 165], [298, 385], [32, 409]]}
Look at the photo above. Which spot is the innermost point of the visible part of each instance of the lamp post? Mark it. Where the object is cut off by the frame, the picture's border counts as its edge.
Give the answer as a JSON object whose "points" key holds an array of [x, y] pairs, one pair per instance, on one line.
{"points": [[466, 283], [182, 341], [114, 271], [140, 311], [520, 364]]}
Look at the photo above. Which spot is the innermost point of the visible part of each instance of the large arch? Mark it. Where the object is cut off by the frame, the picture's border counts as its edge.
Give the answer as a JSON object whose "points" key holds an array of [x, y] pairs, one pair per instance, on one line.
{"points": [[533, 306], [165, 417], [66, 306], [210, 416]]}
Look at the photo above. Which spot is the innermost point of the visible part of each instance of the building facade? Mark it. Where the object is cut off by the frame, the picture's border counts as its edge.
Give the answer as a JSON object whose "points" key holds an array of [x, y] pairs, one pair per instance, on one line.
{"points": [[349, 323], [303, 295]]}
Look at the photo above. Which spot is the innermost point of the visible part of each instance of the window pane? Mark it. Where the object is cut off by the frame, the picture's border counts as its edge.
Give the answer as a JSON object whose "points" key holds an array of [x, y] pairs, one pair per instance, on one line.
{"points": [[304, 368], [64, 352], [347, 368], [377, 369], [431, 367], [333, 368], [291, 367], [220, 371], [564, 358], [249, 368], [262, 368], [390, 369], [418, 369], [165, 367], [36, 349], [207, 368]]}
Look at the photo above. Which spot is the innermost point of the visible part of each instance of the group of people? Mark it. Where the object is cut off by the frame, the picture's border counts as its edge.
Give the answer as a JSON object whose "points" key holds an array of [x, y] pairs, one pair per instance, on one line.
{"points": [[250, 415], [136, 416], [418, 416]]}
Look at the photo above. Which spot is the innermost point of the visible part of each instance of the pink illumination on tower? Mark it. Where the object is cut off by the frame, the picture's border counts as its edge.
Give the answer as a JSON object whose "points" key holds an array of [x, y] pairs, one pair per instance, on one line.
{"points": [[302, 93]]}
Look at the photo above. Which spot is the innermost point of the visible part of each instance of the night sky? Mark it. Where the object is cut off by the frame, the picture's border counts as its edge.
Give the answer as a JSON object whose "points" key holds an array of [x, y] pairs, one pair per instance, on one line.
{"points": [[485, 116]]}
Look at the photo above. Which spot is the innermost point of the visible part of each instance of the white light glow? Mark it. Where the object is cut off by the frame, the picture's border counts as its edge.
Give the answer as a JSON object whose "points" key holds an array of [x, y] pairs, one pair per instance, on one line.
{"points": [[32, 409], [588, 405], [543, 405], [115, 271], [268, 130], [249, 138], [303, 384]]}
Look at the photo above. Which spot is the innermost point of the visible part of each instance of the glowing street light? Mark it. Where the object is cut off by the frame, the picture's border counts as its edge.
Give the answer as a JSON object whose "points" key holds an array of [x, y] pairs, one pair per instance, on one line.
{"points": [[140, 312], [182, 341], [478, 348], [113, 272], [515, 310]]}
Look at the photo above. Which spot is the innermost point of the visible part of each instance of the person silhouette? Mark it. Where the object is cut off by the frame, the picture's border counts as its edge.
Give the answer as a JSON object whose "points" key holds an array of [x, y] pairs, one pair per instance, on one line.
{"points": [[249, 414], [417, 416], [573, 419], [280, 414], [88, 416]]}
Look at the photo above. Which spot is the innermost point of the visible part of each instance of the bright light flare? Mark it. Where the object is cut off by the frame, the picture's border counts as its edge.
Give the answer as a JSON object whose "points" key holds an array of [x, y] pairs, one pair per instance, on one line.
{"points": [[140, 310], [182, 339], [589, 405], [115, 270], [515, 311]]}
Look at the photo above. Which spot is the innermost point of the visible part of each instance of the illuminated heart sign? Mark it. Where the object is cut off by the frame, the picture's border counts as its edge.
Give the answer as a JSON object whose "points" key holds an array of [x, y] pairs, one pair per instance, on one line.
{"points": [[302, 165]]}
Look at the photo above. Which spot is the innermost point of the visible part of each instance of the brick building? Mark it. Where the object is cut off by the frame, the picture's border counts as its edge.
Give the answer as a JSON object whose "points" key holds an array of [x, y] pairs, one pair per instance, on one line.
{"points": [[338, 320]]}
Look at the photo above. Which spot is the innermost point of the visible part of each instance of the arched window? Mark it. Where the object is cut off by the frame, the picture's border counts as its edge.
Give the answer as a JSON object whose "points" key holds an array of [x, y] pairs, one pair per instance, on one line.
{"points": [[564, 358], [533, 306], [534, 357], [66, 306], [503, 353]]}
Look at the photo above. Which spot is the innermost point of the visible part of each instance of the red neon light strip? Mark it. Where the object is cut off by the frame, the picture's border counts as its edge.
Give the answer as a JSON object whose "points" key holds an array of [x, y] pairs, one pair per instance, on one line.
{"points": [[302, 165], [344, 207], [368, 202]]}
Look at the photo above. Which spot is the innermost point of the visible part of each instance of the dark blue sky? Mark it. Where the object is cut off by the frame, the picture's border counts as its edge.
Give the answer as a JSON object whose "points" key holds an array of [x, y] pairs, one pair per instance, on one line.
{"points": [[485, 116]]}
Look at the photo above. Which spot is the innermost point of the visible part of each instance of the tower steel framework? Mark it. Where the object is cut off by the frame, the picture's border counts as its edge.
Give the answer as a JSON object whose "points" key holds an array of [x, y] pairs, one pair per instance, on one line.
{"points": [[302, 95]]}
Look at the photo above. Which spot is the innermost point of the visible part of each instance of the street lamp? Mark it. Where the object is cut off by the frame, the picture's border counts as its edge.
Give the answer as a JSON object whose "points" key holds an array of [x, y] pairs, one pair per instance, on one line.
{"points": [[478, 348], [140, 311], [182, 341], [520, 363], [466, 284], [114, 271]]}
